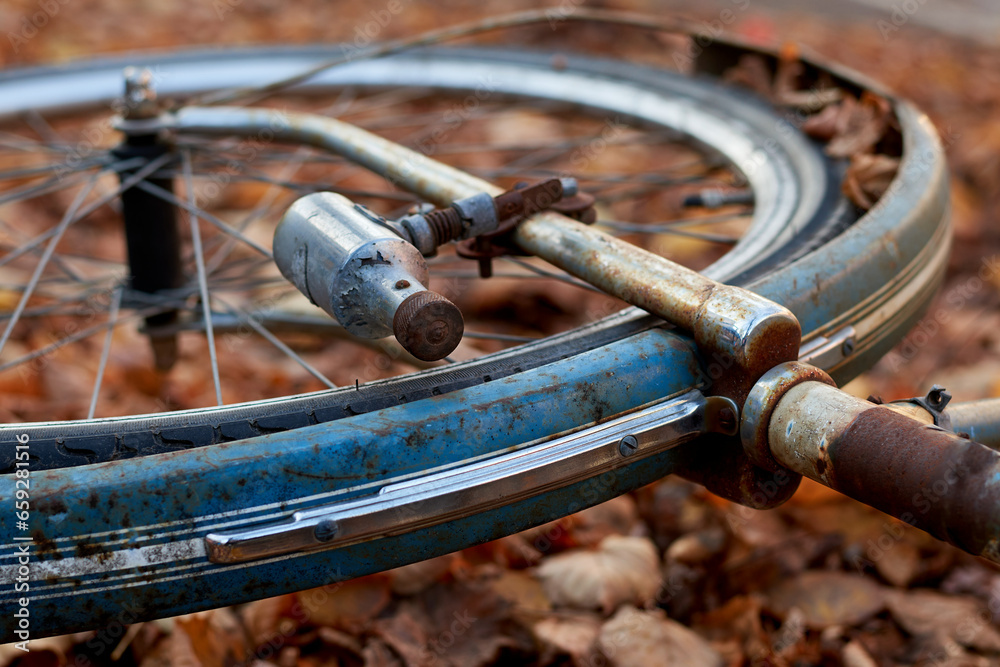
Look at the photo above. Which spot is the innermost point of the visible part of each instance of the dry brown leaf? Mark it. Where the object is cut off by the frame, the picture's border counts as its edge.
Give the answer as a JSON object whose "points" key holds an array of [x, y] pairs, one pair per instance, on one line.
{"points": [[900, 564], [751, 72], [511, 551], [349, 605], [756, 528], [739, 617], [699, 546], [574, 635], [827, 598], [210, 638], [41, 652], [868, 178], [415, 577], [377, 654], [522, 591], [470, 624], [943, 618], [860, 125], [823, 125], [405, 632], [340, 640], [669, 507], [620, 570], [855, 655], [264, 618], [633, 638], [552, 537], [618, 516]]}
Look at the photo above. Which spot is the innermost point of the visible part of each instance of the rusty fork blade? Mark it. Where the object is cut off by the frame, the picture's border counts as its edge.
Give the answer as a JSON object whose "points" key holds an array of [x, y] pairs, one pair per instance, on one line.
{"points": [[406, 506]]}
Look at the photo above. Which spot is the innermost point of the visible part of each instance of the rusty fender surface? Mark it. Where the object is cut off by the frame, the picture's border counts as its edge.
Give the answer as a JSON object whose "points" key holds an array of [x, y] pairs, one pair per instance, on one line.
{"points": [[932, 479]]}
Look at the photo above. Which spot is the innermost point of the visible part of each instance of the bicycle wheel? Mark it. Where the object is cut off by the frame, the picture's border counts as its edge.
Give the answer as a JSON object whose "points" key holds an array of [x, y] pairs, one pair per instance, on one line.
{"points": [[122, 532]]}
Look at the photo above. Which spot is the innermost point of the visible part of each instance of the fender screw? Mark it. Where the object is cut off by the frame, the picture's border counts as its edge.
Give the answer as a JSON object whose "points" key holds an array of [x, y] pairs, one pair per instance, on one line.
{"points": [[325, 530], [628, 445]]}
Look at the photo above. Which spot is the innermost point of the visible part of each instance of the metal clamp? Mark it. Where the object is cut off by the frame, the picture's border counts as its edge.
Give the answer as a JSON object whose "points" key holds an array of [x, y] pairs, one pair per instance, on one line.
{"points": [[934, 404], [406, 506]]}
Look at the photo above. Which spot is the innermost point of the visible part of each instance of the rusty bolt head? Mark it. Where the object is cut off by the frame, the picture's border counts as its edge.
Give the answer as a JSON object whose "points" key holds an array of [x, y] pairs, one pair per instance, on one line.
{"points": [[402, 284], [428, 326]]}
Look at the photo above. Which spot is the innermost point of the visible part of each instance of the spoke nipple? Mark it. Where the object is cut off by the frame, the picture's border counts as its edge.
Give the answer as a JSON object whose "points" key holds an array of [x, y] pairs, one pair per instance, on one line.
{"points": [[628, 445]]}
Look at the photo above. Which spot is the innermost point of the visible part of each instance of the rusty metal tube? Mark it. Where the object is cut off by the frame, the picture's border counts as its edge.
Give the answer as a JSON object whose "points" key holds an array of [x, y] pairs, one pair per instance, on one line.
{"points": [[734, 324], [930, 478], [980, 419], [737, 327]]}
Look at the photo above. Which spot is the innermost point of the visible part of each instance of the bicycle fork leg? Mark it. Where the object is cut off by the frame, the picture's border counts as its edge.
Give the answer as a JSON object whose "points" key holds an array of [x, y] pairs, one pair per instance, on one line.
{"points": [[925, 476]]}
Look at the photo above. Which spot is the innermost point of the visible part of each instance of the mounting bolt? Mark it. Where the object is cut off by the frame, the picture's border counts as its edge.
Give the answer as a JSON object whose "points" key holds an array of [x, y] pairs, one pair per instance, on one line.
{"points": [[325, 530], [628, 445], [727, 420], [847, 347]]}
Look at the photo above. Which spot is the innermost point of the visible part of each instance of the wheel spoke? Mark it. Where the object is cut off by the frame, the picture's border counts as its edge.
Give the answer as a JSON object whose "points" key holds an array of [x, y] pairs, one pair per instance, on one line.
{"points": [[68, 218], [561, 277], [25, 144], [250, 174], [80, 335], [199, 258], [480, 335], [263, 205], [133, 180], [192, 208], [37, 122], [57, 260], [61, 306], [105, 351], [26, 172], [48, 186], [271, 338]]}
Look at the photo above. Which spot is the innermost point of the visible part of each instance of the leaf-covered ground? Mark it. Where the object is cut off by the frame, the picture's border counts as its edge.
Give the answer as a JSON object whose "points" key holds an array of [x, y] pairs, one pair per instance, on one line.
{"points": [[670, 575]]}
